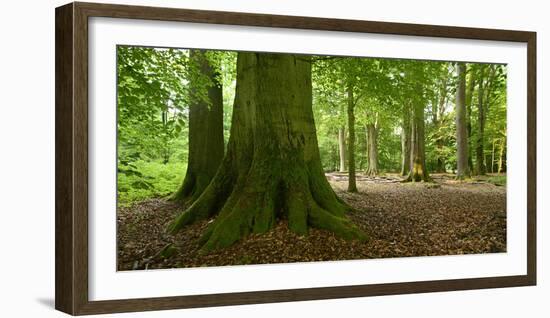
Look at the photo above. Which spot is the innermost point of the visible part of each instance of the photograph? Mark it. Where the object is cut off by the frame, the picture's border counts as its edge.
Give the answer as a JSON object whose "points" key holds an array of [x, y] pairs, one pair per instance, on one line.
{"points": [[244, 158]]}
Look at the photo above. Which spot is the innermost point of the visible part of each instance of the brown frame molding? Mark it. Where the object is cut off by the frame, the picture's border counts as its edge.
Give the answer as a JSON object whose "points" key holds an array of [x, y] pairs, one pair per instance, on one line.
{"points": [[71, 157]]}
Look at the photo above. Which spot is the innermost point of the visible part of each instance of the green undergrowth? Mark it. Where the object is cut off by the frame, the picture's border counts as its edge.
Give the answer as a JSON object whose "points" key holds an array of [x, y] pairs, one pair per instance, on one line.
{"points": [[141, 180], [497, 180]]}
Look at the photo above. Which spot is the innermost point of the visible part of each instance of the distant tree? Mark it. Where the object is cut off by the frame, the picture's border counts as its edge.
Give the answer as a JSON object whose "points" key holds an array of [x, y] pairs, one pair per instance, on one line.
{"points": [[438, 117], [418, 77], [463, 170], [418, 171], [352, 185], [342, 147], [406, 140], [372, 144]]}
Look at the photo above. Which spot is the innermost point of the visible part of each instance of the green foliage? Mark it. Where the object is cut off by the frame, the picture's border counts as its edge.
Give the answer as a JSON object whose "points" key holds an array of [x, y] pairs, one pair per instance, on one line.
{"points": [[142, 180], [389, 149], [383, 87], [441, 142], [154, 96], [497, 180], [494, 103]]}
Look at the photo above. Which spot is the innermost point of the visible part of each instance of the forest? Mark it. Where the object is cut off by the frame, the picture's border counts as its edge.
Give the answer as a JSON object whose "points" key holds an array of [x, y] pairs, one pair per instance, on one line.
{"points": [[232, 158]]}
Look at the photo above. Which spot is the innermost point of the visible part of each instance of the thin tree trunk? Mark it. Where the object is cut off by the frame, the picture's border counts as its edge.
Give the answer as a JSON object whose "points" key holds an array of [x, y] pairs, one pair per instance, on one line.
{"points": [[501, 155], [206, 144], [418, 170], [438, 110], [342, 148], [372, 137], [487, 163], [493, 157], [272, 168], [352, 186], [406, 141], [469, 99], [463, 170]]}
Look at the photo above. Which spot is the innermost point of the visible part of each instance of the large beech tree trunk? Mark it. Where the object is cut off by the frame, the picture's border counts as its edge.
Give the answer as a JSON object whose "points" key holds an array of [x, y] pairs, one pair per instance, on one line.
{"points": [[418, 171], [406, 141], [206, 144], [463, 170], [372, 144], [272, 168], [342, 148], [352, 185]]}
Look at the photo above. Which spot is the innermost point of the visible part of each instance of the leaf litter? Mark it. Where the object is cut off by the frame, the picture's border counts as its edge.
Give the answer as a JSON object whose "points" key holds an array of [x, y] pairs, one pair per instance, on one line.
{"points": [[446, 217]]}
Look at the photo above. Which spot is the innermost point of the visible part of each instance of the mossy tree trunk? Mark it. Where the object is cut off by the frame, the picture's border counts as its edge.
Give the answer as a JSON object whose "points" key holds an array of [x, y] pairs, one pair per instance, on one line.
{"points": [[463, 170], [272, 168], [406, 140], [418, 171], [352, 184], [372, 145], [206, 145]]}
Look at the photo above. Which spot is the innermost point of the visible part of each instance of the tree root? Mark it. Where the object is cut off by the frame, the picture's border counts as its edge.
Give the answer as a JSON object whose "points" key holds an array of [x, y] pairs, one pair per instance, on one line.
{"points": [[371, 172], [253, 204], [256, 212], [206, 205]]}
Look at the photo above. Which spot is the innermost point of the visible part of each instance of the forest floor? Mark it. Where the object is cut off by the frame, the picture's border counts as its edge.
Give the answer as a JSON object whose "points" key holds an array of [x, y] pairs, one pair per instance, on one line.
{"points": [[446, 217]]}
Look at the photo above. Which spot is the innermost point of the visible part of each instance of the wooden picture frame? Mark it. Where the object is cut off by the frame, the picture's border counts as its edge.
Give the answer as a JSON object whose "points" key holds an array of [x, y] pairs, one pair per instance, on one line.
{"points": [[71, 155]]}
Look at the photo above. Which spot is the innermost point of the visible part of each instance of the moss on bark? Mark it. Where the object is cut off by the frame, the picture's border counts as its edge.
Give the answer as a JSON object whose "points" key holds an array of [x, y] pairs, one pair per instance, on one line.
{"points": [[272, 168], [205, 130]]}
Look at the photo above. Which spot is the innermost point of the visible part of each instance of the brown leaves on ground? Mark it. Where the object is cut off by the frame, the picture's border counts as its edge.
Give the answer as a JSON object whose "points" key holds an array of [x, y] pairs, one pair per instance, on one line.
{"points": [[402, 219]]}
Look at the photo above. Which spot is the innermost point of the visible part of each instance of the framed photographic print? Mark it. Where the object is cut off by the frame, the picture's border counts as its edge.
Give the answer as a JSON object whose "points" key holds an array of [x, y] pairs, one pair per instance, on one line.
{"points": [[211, 158]]}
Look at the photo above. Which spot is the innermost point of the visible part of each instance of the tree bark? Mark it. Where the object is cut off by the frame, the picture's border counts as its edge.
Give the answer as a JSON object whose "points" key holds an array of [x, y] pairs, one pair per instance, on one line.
{"points": [[352, 185], [272, 168], [418, 171], [493, 156], [463, 170], [342, 148], [406, 141], [206, 145], [372, 138]]}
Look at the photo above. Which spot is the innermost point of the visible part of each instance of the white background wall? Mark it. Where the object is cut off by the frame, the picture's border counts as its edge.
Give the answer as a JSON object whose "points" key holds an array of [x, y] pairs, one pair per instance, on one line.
{"points": [[27, 158]]}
